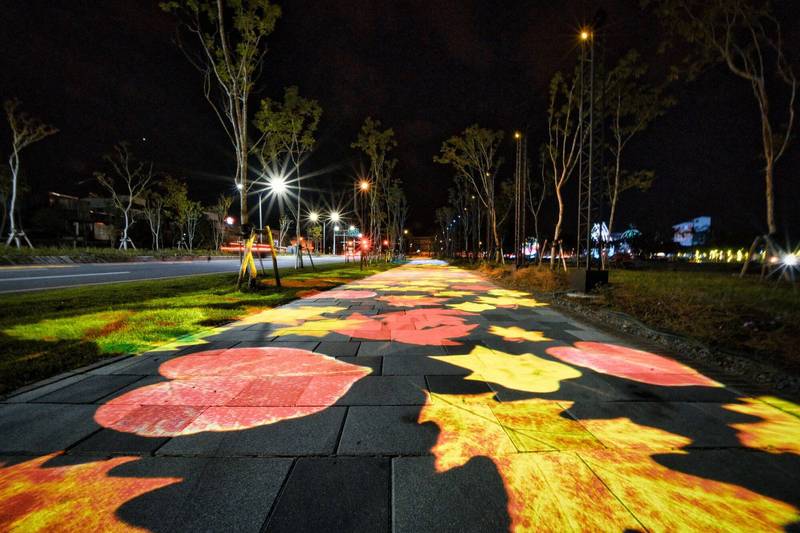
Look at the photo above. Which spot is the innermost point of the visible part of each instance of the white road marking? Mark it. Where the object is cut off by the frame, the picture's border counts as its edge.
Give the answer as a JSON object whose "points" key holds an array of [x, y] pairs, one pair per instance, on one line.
{"points": [[30, 278]]}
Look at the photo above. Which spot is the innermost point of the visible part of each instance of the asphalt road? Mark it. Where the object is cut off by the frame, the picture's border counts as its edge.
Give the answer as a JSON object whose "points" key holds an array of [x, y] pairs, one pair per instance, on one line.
{"points": [[39, 277]]}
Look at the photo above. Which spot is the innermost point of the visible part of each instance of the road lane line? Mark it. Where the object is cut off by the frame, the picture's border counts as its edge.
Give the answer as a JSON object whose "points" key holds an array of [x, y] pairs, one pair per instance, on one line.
{"points": [[31, 278]]}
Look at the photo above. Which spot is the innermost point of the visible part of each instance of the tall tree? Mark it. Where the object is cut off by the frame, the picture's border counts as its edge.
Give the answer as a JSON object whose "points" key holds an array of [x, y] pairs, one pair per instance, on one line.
{"points": [[473, 155], [185, 212], [376, 143], [633, 104], [231, 44], [563, 141], [288, 127], [285, 226], [25, 130], [127, 186], [220, 213], [153, 210], [537, 192], [746, 36]]}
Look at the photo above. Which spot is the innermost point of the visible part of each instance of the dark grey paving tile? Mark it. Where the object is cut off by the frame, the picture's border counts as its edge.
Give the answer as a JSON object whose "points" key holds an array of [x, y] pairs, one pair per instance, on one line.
{"points": [[647, 392], [386, 430], [455, 385], [373, 362], [338, 349], [415, 365], [390, 348], [300, 345], [46, 388], [145, 366], [334, 494], [88, 390], [211, 494], [386, 390], [108, 441], [42, 428], [470, 498], [309, 435], [705, 429], [240, 335]]}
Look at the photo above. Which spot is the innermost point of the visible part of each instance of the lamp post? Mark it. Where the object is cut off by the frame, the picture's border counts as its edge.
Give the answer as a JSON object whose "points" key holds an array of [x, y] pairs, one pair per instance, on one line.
{"points": [[334, 217], [313, 216]]}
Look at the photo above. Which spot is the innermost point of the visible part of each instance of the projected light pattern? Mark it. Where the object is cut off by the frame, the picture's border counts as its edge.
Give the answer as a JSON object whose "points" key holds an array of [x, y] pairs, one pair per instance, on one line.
{"points": [[54, 493], [631, 364], [576, 434], [231, 390]]}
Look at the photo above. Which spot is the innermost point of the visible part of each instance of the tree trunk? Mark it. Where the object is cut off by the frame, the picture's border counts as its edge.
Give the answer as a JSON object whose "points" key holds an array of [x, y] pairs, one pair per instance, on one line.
{"points": [[772, 226], [557, 231], [13, 163], [299, 259], [124, 241]]}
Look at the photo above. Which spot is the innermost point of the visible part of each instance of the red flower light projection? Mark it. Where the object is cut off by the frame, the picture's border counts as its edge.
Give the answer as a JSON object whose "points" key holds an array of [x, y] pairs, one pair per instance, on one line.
{"points": [[411, 300], [228, 390], [430, 327], [628, 363]]}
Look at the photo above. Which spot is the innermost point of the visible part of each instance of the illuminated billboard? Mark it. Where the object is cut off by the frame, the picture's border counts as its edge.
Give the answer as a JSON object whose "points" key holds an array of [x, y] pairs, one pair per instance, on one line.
{"points": [[696, 232]]}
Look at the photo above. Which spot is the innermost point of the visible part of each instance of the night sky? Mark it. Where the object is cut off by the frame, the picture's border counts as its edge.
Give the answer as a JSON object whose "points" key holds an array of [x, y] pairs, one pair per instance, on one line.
{"points": [[106, 71]]}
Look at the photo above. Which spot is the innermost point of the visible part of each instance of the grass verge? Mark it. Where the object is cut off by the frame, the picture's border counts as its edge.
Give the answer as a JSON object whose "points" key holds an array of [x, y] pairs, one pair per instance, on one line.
{"points": [[757, 320], [45, 333]]}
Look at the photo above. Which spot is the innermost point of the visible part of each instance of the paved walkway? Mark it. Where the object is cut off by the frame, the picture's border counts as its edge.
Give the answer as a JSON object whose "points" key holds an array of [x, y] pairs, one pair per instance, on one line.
{"points": [[421, 399]]}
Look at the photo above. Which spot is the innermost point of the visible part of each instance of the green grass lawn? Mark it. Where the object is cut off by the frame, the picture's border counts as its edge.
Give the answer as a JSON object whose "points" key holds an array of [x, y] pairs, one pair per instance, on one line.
{"points": [[46, 333], [760, 319]]}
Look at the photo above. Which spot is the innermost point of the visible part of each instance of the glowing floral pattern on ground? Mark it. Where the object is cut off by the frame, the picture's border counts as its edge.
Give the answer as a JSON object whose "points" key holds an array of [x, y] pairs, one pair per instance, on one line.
{"points": [[525, 372], [230, 390], [518, 334], [631, 364], [430, 327], [82, 496], [776, 430], [411, 300]]}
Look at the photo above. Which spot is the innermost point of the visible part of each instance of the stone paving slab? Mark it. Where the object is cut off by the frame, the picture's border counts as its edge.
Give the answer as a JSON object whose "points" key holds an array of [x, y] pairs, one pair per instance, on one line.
{"points": [[44, 428], [88, 390], [386, 430], [334, 494], [315, 434], [386, 390]]}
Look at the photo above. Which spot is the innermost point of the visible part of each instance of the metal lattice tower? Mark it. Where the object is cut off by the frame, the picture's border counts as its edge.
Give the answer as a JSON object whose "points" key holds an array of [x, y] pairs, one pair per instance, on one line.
{"points": [[591, 136]]}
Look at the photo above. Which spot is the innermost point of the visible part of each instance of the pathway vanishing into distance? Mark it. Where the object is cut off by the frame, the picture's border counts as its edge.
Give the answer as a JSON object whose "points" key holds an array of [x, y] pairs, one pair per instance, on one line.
{"points": [[424, 398]]}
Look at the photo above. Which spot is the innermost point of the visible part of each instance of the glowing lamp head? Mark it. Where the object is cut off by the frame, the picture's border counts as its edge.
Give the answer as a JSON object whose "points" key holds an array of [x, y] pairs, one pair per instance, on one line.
{"points": [[585, 35], [229, 221], [517, 135], [386, 243], [336, 228], [239, 185], [365, 244], [405, 232], [351, 228], [364, 185], [313, 216], [790, 260], [334, 216], [278, 185]]}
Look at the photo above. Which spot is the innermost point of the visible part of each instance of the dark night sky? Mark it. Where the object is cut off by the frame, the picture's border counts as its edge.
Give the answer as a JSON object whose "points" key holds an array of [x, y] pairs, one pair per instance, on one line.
{"points": [[107, 71]]}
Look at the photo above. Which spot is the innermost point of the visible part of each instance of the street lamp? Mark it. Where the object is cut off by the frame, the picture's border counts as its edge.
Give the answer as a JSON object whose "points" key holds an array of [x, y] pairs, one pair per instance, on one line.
{"points": [[335, 229], [364, 185]]}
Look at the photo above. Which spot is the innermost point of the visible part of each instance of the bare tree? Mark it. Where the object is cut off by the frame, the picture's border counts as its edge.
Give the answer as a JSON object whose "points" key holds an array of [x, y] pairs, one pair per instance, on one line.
{"points": [[220, 212], [285, 226], [153, 210], [288, 127], [746, 37], [474, 156], [562, 144], [633, 105], [25, 130], [537, 192], [376, 143], [231, 37], [128, 187]]}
